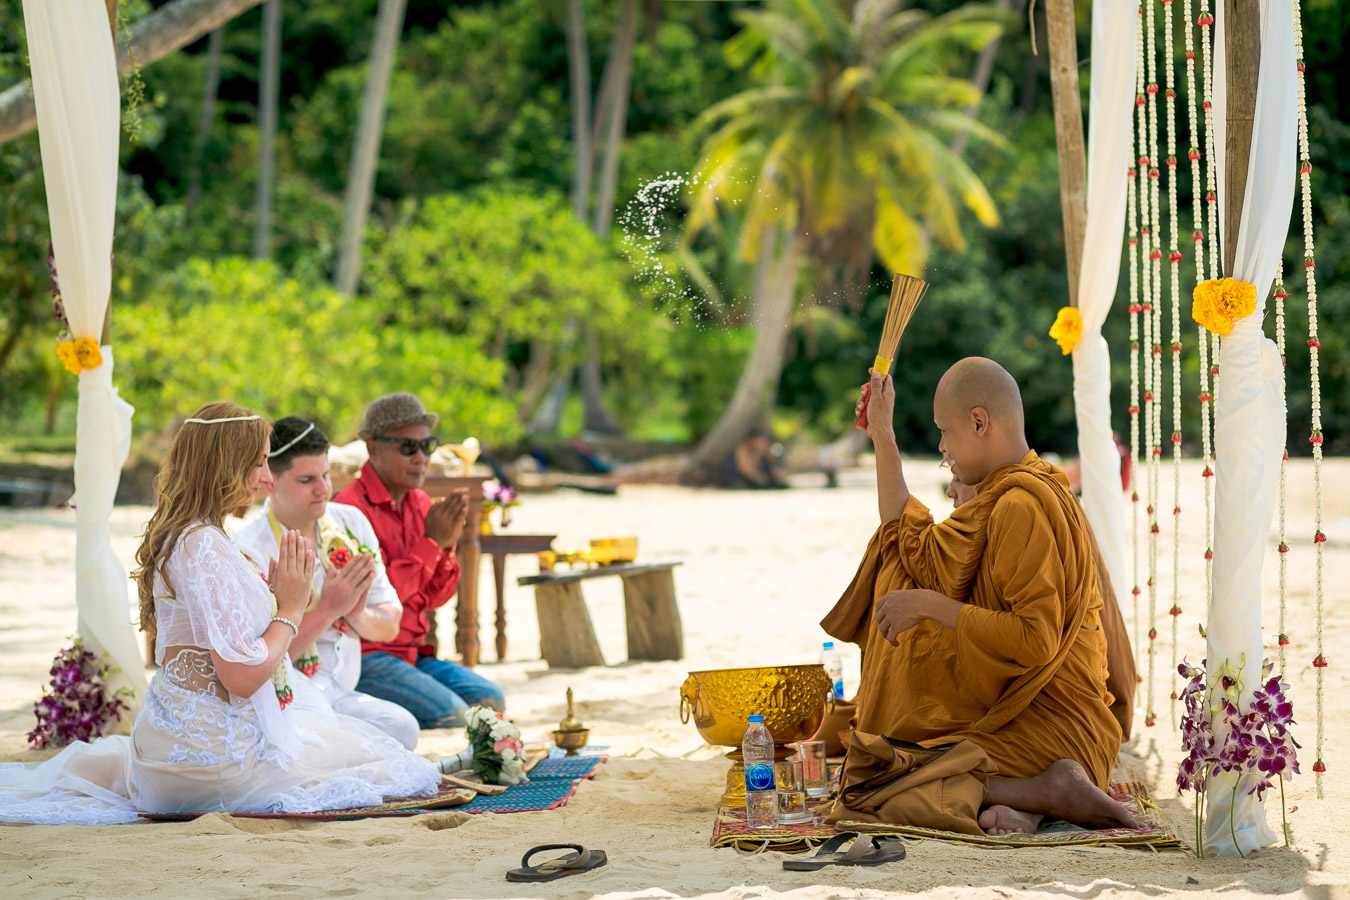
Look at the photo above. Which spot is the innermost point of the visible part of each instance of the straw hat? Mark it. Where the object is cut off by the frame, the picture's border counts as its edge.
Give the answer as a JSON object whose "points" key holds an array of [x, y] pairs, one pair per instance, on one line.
{"points": [[394, 411]]}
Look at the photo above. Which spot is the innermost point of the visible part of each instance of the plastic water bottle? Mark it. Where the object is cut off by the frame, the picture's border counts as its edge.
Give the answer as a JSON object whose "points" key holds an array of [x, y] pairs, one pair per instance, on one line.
{"points": [[834, 667], [761, 796]]}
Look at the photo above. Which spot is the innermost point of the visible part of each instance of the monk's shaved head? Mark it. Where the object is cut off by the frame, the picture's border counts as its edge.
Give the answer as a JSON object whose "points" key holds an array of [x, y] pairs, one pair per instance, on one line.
{"points": [[978, 382], [978, 409]]}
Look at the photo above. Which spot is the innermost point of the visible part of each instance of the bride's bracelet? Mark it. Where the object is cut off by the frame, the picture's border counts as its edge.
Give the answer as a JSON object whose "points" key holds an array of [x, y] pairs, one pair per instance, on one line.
{"points": [[288, 623]]}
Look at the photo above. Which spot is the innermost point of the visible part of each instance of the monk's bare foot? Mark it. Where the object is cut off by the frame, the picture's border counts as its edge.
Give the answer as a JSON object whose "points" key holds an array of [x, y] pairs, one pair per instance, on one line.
{"points": [[1000, 820], [1070, 795]]}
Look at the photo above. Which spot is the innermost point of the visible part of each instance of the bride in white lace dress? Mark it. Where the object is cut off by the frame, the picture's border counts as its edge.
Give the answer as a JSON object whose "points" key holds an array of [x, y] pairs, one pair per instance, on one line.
{"points": [[218, 730]]}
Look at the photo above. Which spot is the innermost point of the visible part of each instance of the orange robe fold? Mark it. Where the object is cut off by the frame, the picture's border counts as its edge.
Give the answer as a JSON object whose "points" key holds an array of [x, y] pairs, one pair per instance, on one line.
{"points": [[1023, 675]]}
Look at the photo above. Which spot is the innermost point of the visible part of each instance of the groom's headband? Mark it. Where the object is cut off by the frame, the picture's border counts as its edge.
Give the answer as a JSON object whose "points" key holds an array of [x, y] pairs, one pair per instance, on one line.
{"points": [[295, 440]]}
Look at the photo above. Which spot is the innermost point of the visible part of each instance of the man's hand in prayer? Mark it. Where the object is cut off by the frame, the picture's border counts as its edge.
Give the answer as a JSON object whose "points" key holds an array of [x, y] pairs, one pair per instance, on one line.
{"points": [[899, 611], [344, 590], [445, 519]]}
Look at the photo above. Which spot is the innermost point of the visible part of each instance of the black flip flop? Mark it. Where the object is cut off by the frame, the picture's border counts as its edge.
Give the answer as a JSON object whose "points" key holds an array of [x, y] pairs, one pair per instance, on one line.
{"points": [[864, 852], [573, 864]]}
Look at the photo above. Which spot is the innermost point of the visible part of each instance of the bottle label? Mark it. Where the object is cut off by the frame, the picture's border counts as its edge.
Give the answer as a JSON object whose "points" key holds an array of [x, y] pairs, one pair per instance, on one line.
{"points": [[759, 778], [839, 689]]}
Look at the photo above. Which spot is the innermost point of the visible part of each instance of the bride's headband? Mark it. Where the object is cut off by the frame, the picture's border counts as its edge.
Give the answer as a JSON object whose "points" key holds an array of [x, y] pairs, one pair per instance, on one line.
{"points": [[218, 421], [295, 440]]}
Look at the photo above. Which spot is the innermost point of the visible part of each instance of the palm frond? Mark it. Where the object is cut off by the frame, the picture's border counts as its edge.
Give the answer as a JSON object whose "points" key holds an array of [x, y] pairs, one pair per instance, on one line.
{"points": [[897, 237]]}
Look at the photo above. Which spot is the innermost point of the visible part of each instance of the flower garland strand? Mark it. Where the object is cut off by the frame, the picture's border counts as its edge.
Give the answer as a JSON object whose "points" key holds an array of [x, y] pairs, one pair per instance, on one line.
{"points": [[1174, 260], [1209, 354], [1132, 242], [1138, 362], [1283, 640], [1154, 344], [1198, 205], [1314, 345]]}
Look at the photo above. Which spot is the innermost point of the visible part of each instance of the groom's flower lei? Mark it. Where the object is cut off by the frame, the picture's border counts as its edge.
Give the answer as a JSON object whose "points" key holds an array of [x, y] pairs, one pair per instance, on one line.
{"points": [[340, 548]]}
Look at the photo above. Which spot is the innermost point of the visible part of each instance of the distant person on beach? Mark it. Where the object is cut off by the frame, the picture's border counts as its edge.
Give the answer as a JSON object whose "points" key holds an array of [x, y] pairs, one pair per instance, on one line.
{"points": [[981, 635], [753, 464], [217, 731], [353, 597], [417, 538]]}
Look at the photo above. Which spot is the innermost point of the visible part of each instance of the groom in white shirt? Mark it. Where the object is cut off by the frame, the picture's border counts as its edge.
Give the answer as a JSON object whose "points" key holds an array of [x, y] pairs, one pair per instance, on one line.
{"points": [[352, 595]]}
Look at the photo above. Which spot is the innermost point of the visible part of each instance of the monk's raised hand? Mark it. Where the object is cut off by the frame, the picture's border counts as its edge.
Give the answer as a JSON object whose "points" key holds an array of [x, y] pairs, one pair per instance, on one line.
{"points": [[898, 612], [879, 395]]}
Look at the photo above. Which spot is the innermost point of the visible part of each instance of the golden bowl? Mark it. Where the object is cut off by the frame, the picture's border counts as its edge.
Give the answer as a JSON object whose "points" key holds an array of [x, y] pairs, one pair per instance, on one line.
{"points": [[613, 550], [792, 699], [572, 741]]}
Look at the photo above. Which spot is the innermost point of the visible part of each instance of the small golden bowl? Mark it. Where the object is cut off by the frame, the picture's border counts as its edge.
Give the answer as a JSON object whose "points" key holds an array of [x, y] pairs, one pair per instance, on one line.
{"points": [[614, 550], [547, 560], [572, 741]]}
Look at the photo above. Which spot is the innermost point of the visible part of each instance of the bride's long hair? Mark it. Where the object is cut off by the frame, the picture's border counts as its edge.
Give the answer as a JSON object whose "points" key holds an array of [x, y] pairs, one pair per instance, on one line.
{"points": [[204, 477]]}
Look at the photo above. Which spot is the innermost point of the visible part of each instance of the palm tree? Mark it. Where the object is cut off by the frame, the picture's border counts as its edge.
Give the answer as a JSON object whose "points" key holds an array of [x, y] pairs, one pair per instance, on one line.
{"points": [[857, 104], [269, 90]]}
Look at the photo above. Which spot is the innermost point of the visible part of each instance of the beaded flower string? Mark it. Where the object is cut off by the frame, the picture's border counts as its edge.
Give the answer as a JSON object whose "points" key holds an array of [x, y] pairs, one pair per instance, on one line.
{"points": [[1174, 260], [1209, 352], [1138, 279], [1153, 334], [1314, 345], [1283, 640]]}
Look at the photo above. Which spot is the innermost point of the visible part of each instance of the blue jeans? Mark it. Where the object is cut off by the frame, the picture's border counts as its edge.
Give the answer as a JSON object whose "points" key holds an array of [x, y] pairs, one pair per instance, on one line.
{"points": [[436, 692]]}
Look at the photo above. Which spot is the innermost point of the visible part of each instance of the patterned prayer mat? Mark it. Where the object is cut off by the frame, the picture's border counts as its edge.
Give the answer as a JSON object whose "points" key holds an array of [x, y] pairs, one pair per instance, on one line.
{"points": [[730, 830]]}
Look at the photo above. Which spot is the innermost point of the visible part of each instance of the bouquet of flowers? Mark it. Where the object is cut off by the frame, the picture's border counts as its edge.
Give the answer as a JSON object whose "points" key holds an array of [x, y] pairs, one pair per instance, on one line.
{"points": [[77, 705], [495, 751], [1219, 737], [499, 496]]}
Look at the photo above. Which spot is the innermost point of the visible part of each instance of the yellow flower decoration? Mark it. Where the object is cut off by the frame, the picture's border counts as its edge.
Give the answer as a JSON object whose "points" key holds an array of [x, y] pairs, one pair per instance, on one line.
{"points": [[1068, 329], [1218, 303], [77, 356]]}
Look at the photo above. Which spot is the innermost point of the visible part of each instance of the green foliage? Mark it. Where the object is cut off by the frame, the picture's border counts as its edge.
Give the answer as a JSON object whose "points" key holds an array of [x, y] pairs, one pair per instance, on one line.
{"points": [[241, 329]]}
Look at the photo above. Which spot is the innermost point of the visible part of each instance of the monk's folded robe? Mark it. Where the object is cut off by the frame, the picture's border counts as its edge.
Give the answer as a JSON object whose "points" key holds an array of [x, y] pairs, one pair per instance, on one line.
{"points": [[1023, 675]]}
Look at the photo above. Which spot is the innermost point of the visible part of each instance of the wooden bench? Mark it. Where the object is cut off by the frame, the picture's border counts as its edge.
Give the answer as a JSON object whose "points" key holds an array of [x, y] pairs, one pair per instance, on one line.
{"points": [[566, 636]]}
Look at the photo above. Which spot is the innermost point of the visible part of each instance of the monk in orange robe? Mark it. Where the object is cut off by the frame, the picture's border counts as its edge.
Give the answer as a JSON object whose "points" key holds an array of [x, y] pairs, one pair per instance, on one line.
{"points": [[1121, 676], [986, 627]]}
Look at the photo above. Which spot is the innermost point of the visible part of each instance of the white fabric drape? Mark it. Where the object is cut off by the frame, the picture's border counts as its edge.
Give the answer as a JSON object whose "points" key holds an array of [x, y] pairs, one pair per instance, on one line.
{"points": [[1111, 113], [76, 93], [1249, 429]]}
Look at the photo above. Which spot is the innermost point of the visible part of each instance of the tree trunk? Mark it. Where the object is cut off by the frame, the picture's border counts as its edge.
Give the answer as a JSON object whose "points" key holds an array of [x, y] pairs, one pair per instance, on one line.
{"points": [[1242, 35], [984, 71], [579, 71], [165, 30], [549, 414], [269, 89], [1070, 146], [780, 258], [366, 153], [621, 57], [215, 49], [618, 88]]}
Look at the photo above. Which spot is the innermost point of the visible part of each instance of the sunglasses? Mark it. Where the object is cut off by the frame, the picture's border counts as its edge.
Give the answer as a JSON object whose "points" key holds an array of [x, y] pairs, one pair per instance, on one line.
{"points": [[410, 446]]}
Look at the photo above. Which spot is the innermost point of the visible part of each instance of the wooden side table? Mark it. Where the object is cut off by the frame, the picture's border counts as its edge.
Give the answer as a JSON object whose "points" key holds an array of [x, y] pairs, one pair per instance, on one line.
{"points": [[499, 547]]}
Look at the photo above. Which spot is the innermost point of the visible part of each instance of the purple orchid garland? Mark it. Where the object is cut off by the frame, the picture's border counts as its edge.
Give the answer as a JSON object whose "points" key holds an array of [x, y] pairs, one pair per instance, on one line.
{"points": [[77, 705], [1257, 742]]}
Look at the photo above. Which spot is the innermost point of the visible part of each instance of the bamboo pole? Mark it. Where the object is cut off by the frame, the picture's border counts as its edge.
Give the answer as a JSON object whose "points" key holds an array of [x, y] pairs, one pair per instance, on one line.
{"points": [[1069, 144], [1242, 37]]}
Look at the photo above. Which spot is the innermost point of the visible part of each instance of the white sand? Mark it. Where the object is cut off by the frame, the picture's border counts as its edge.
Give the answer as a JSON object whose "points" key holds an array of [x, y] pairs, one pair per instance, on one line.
{"points": [[760, 570]]}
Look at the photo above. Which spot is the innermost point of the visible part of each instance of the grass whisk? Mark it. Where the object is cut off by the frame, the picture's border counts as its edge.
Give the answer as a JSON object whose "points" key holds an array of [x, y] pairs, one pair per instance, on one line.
{"points": [[906, 292]]}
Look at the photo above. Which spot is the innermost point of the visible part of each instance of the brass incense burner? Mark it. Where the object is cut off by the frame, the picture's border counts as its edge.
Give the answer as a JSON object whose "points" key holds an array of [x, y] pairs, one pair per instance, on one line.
{"points": [[571, 734], [792, 699]]}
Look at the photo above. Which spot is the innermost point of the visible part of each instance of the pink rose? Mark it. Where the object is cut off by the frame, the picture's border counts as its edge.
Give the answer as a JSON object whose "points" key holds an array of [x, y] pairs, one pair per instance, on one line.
{"points": [[512, 744]]}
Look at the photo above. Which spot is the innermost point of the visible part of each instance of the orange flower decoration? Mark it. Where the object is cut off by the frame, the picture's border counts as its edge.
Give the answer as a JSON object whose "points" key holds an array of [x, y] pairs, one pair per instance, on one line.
{"points": [[1068, 329], [78, 356], [1218, 303]]}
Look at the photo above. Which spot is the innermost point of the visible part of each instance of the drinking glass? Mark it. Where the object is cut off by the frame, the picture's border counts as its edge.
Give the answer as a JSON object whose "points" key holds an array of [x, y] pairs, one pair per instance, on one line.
{"points": [[814, 769], [791, 792]]}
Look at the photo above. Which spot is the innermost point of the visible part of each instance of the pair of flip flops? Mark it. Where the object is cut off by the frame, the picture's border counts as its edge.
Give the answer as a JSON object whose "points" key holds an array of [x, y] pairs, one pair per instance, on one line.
{"points": [[865, 851], [582, 860]]}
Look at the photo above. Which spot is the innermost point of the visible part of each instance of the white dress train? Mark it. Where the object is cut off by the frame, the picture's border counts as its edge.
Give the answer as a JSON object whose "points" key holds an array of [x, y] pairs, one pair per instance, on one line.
{"points": [[194, 748]]}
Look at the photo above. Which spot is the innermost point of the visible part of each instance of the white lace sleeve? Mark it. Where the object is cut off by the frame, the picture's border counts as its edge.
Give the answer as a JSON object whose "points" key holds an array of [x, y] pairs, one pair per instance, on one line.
{"points": [[221, 602]]}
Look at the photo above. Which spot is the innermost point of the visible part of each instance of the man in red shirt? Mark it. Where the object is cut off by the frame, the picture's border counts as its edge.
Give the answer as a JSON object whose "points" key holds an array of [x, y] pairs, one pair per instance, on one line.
{"points": [[417, 541]]}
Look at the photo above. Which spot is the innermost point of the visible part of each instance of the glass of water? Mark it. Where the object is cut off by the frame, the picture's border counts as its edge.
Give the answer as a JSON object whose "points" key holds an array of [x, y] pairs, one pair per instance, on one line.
{"points": [[814, 768], [791, 792]]}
